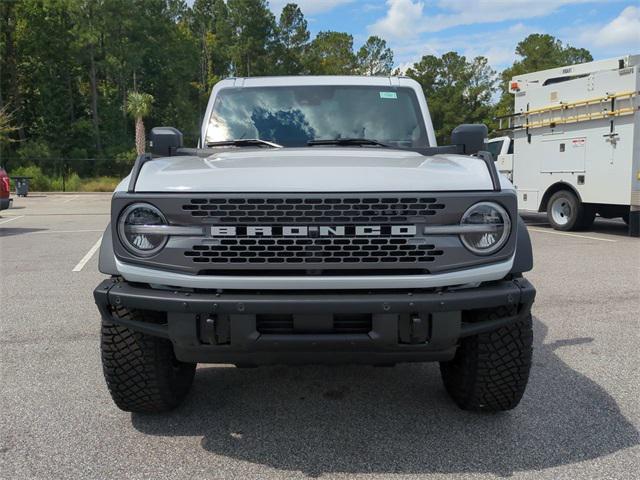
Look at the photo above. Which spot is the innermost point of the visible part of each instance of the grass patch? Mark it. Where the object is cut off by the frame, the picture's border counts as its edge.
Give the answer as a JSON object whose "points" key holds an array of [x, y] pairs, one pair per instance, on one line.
{"points": [[40, 182], [100, 184]]}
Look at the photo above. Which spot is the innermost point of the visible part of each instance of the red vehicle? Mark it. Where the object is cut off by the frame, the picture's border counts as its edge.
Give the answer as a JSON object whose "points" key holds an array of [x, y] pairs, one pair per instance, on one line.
{"points": [[5, 190]]}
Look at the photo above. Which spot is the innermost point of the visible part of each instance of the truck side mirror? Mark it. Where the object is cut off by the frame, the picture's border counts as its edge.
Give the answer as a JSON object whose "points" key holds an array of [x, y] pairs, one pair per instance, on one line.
{"points": [[165, 141], [471, 137]]}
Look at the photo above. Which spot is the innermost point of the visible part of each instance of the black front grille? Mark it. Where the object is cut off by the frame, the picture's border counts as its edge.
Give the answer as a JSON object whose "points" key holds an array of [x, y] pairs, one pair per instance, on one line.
{"points": [[273, 324], [288, 251], [314, 233], [326, 210]]}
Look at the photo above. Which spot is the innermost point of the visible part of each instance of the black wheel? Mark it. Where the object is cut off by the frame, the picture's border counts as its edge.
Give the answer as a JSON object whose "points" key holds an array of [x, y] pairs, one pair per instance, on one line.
{"points": [[490, 371], [565, 212], [141, 371]]}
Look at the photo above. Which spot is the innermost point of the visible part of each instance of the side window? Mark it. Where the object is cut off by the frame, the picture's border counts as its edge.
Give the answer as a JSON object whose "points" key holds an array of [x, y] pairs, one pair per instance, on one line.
{"points": [[495, 148], [510, 147]]}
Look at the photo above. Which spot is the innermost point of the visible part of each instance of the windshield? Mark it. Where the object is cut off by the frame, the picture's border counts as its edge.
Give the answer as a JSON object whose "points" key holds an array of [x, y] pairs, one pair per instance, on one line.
{"points": [[294, 115]]}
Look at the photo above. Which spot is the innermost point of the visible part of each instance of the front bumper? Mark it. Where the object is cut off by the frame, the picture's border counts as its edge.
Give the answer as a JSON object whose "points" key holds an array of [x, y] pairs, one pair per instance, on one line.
{"points": [[404, 327]]}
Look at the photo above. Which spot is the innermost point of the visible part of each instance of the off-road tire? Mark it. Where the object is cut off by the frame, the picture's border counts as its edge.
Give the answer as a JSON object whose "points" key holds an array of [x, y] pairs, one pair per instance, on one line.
{"points": [[141, 371], [581, 215], [490, 371]]}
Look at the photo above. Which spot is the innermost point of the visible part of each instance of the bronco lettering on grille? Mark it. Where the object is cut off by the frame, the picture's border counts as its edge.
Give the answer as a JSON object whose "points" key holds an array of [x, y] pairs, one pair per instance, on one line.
{"points": [[314, 231]]}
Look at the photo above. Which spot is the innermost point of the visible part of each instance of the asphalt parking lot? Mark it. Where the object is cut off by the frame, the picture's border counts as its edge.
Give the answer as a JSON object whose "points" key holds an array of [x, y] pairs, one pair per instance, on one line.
{"points": [[579, 418]]}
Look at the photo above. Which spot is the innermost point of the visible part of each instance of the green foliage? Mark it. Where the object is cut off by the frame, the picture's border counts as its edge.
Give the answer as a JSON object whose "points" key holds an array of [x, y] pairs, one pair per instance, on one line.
{"points": [[40, 182], [375, 58], [331, 53], [537, 52], [254, 27], [139, 104], [100, 184], [72, 183], [7, 128], [36, 149], [293, 38], [458, 90], [207, 26], [68, 67], [127, 157]]}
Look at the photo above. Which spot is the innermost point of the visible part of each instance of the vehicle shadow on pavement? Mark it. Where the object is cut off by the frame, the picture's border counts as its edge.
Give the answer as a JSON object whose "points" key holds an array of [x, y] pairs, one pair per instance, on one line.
{"points": [[10, 232], [600, 225], [357, 419], [610, 227]]}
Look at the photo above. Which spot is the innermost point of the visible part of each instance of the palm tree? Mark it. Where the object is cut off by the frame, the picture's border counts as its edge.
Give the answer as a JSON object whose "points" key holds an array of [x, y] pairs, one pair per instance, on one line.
{"points": [[139, 106]]}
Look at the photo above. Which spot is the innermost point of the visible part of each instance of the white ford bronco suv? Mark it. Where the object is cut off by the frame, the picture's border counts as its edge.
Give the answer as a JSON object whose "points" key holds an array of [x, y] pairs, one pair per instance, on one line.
{"points": [[317, 222]]}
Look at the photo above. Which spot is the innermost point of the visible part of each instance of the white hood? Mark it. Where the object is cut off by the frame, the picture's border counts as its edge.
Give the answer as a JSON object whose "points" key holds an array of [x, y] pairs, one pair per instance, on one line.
{"points": [[314, 169]]}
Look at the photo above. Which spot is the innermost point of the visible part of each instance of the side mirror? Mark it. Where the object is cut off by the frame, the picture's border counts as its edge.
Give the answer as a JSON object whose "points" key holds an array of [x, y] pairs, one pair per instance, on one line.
{"points": [[471, 137], [164, 141]]}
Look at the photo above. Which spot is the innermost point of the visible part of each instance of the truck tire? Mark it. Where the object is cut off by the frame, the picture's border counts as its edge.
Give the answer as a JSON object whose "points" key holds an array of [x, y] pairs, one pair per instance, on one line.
{"points": [[141, 371], [490, 371], [565, 212]]}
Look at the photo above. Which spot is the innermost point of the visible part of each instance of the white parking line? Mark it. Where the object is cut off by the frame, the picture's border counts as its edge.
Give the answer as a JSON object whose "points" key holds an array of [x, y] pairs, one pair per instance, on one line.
{"points": [[553, 232], [64, 231], [11, 219], [88, 256], [66, 214]]}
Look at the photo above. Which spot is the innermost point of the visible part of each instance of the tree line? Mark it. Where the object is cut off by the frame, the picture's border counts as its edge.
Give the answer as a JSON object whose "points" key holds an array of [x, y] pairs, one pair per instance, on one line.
{"points": [[68, 67]]}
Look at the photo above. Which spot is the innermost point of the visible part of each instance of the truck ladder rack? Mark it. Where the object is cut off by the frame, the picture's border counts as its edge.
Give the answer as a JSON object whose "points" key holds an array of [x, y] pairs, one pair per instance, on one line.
{"points": [[573, 112]]}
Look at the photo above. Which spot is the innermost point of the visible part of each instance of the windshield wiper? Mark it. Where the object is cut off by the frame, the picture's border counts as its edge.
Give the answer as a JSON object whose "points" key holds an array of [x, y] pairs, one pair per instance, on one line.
{"points": [[348, 141], [243, 142]]}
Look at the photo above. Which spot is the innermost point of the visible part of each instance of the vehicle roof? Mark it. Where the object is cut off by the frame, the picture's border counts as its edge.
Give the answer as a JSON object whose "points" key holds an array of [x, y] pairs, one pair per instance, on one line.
{"points": [[317, 80], [578, 69]]}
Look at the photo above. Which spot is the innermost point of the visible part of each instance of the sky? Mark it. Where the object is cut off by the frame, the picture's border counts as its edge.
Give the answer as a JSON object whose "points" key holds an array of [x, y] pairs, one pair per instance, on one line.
{"points": [[491, 28]]}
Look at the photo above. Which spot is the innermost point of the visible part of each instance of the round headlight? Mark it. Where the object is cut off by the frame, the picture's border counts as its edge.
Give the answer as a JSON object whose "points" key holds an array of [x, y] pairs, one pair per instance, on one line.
{"points": [[489, 226], [137, 232]]}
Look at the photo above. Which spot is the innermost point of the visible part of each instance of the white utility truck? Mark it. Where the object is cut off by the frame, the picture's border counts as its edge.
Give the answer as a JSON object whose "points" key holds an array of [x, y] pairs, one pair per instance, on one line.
{"points": [[574, 150]]}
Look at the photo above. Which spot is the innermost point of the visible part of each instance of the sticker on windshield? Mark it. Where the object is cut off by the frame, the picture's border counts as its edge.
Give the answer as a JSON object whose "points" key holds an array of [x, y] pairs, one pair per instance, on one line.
{"points": [[393, 95]]}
